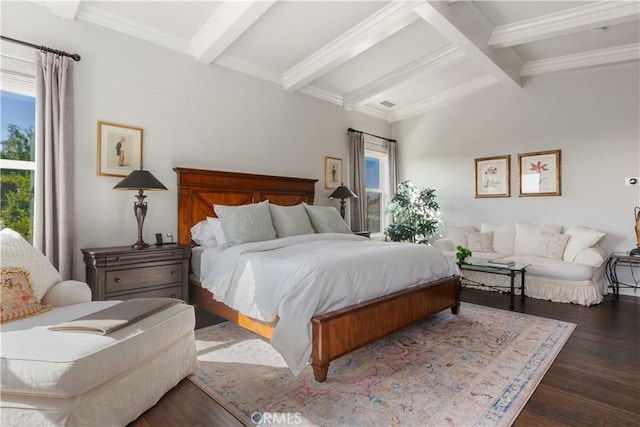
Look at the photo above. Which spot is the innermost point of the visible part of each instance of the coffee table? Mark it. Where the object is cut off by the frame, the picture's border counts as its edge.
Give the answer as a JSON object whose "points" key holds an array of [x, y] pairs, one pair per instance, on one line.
{"points": [[479, 264]]}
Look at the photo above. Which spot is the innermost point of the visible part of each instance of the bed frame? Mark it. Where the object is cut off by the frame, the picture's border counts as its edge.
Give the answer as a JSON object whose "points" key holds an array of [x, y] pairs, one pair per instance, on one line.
{"points": [[336, 333]]}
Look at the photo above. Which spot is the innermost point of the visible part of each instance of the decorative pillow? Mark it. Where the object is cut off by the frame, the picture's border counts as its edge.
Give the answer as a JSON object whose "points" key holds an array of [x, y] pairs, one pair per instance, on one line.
{"points": [[325, 219], [527, 236], [290, 220], [246, 223], [216, 226], [581, 238], [550, 245], [480, 242], [202, 233], [458, 235], [18, 300], [16, 252], [503, 236]]}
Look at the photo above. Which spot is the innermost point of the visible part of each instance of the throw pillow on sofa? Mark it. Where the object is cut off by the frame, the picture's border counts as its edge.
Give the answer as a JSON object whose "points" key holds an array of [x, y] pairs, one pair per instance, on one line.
{"points": [[581, 238], [527, 236], [480, 242], [458, 235], [503, 236], [550, 245]]}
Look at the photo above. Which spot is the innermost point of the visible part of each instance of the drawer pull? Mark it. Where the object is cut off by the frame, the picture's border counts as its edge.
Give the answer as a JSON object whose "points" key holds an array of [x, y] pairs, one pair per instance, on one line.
{"points": [[117, 258], [117, 280], [173, 273], [173, 295]]}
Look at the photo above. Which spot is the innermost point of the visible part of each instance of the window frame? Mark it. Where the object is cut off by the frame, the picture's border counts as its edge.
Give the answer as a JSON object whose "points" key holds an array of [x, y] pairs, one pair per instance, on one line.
{"points": [[384, 189]]}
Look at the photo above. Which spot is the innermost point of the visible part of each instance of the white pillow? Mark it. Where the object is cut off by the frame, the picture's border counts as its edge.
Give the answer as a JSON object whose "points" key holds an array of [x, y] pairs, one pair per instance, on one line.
{"points": [[326, 219], [503, 237], [290, 220], [550, 245], [246, 223], [458, 235], [216, 226], [16, 252], [202, 233], [581, 238], [527, 236], [480, 242]]}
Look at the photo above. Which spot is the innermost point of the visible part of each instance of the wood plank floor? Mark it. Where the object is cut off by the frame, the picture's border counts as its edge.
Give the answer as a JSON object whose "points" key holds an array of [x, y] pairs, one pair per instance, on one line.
{"points": [[594, 381]]}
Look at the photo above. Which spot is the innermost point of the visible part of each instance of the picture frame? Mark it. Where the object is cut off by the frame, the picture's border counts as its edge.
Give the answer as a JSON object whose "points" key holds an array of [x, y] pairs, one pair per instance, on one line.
{"points": [[493, 176], [119, 149], [332, 172], [540, 173]]}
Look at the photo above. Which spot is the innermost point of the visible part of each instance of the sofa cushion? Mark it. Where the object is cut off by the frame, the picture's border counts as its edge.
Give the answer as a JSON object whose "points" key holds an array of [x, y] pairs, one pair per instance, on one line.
{"points": [[581, 238], [503, 236], [17, 298], [480, 242], [554, 268], [550, 245], [458, 235], [527, 236]]}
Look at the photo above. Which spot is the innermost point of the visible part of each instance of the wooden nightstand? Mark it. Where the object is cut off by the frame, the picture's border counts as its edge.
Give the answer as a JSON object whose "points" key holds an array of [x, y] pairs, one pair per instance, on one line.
{"points": [[123, 273]]}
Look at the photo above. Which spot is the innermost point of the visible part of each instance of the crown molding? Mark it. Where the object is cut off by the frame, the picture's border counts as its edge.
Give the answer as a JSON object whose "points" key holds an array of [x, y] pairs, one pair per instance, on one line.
{"points": [[437, 60], [105, 19], [372, 111], [249, 68], [325, 95], [65, 9], [227, 23], [385, 22], [442, 98], [612, 55], [581, 18]]}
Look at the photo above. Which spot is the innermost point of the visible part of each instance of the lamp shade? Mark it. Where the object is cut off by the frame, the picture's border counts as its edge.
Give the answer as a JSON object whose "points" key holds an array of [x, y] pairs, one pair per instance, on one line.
{"points": [[342, 192], [140, 180]]}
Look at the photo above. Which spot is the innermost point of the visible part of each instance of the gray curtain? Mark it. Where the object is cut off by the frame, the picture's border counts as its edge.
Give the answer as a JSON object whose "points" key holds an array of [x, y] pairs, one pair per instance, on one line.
{"points": [[393, 167], [356, 171], [53, 204]]}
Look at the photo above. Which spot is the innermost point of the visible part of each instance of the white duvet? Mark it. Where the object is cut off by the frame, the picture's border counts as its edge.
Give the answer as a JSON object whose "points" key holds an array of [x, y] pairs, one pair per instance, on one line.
{"points": [[296, 278]]}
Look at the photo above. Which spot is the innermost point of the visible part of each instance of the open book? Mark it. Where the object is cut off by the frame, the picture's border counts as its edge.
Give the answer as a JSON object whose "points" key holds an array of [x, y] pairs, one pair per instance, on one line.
{"points": [[501, 263]]}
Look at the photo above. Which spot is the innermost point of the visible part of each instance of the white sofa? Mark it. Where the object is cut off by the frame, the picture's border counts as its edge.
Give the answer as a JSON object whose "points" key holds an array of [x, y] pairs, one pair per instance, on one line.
{"points": [[53, 378], [565, 267]]}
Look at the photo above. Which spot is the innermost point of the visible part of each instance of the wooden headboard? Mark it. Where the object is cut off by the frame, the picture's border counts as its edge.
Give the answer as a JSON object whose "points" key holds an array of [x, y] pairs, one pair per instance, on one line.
{"points": [[200, 189]]}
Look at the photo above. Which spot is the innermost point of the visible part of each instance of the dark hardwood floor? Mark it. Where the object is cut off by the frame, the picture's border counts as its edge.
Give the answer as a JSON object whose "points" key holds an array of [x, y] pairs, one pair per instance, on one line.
{"points": [[594, 381]]}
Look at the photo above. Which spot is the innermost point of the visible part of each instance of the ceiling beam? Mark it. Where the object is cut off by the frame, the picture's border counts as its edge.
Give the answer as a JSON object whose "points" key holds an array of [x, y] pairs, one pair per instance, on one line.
{"points": [[436, 61], [466, 27], [592, 58], [65, 9], [228, 22], [385, 22], [570, 21]]}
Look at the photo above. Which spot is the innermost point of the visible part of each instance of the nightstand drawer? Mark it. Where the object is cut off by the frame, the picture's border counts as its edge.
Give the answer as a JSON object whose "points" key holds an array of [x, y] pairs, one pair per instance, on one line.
{"points": [[171, 292], [122, 280], [141, 257]]}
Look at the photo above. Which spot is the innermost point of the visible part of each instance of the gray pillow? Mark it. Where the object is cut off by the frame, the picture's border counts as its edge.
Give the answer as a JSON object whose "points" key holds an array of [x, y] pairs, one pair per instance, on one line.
{"points": [[326, 219], [290, 220], [246, 223]]}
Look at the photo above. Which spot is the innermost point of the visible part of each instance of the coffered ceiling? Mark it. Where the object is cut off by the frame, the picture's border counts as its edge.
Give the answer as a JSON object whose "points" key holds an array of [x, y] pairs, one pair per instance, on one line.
{"points": [[392, 60]]}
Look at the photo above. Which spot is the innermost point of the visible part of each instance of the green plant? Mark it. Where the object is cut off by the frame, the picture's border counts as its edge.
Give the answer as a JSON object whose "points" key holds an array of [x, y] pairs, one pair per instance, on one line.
{"points": [[462, 253], [413, 213]]}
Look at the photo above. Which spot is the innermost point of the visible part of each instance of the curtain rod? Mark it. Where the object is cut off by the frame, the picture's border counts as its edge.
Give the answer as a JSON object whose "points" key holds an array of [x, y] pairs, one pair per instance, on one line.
{"points": [[370, 134], [73, 56]]}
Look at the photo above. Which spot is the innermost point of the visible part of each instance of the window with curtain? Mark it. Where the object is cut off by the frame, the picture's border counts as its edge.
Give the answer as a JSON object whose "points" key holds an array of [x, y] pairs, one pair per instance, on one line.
{"points": [[376, 186], [17, 145]]}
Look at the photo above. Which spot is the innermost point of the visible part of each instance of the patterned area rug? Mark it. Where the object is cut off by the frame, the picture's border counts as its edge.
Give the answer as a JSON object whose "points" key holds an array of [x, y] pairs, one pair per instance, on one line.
{"points": [[478, 368]]}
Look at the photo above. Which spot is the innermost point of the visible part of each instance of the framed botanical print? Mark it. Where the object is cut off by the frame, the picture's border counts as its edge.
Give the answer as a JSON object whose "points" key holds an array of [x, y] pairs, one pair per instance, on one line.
{"points": [[540, 173], [119, 149], [332, 172], [493, 177]]}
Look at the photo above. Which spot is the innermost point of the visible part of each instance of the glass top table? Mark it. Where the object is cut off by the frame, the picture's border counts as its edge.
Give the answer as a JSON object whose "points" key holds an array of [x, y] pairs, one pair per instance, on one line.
{"points": [[483, 265]]}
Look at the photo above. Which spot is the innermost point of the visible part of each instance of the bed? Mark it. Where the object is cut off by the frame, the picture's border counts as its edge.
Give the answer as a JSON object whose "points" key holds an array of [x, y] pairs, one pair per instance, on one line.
{"points": [[334, 333]]}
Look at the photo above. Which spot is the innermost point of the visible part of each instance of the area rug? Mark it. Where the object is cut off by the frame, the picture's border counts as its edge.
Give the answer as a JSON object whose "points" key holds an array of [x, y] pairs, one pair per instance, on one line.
{"points": [[477, 368]]}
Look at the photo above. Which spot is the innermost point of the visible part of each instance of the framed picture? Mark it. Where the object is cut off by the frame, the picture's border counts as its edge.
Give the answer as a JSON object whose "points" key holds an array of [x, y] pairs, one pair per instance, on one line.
{"points": [[493, 177], [540, 173], [119, 149], [332, 172]]}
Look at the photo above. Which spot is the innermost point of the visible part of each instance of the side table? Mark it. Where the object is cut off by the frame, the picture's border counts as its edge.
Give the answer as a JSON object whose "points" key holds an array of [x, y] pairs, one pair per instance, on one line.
{"points": [[621, 259]]}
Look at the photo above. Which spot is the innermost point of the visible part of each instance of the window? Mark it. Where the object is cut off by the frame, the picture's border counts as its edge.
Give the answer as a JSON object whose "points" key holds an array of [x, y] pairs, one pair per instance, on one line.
{"points": [[17, 146], [376, 186]]}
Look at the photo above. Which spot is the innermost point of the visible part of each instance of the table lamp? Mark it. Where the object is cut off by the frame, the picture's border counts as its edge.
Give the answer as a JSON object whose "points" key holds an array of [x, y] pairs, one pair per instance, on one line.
{"points": [[140, 180], [342, 192]]}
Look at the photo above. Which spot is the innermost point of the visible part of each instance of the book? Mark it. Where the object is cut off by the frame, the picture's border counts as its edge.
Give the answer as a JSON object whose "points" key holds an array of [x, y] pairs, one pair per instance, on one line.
{"points": [[501, 263]]}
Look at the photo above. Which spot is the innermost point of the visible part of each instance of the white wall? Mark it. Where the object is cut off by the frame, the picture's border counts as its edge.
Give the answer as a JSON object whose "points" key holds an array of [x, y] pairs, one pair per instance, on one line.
{"points": [[192, 115], [593, 116]]}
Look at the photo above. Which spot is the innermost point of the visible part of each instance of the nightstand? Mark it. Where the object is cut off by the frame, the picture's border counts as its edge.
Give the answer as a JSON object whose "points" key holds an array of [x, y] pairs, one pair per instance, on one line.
{"points": [[120, 273]]}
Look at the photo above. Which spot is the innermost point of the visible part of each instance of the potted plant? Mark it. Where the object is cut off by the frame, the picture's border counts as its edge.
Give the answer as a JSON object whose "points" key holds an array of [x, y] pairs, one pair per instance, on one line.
{"points": [[413, 213], [462, 253]]}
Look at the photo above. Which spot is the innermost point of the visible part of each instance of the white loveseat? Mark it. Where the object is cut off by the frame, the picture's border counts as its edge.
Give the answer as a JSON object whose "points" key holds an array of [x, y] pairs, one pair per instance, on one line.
{"points": [[565, 267], [53, 378]]}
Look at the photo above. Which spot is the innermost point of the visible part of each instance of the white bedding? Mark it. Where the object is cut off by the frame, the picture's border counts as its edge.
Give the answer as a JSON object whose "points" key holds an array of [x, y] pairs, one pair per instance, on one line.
{"points": [[296, 278]]}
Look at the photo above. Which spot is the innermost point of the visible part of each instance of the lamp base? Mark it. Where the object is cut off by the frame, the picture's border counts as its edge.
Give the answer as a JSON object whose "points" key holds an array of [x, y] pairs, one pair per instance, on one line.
{"points": [[140, 244], [635, 252]]}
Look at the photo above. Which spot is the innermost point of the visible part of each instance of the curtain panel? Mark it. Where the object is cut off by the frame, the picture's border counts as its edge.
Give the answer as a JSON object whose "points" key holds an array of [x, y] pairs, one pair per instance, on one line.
{"points": [[358, 207], [53, 204]]}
